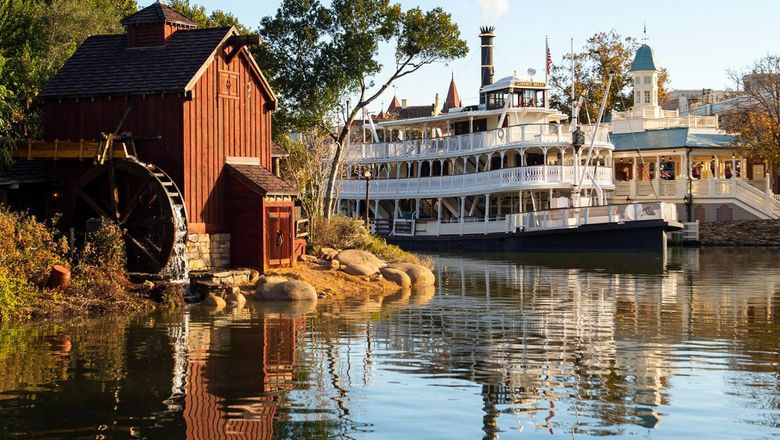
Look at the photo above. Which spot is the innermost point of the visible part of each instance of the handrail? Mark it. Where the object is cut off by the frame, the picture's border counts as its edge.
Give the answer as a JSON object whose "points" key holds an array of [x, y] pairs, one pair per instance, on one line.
{"points": [[531, 134], [538, 176]]}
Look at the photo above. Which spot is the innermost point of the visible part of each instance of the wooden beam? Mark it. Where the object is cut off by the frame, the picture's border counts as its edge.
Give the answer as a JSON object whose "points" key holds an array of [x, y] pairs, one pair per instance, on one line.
{"points": [[63, 150]]}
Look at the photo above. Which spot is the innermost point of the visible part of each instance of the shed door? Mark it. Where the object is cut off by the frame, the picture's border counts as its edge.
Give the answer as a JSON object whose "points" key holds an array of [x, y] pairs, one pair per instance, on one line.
{"points": [[279, 237]]}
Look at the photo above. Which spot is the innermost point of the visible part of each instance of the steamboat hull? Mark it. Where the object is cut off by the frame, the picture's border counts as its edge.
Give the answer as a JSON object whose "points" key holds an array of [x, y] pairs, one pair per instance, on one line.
{"points": [[632, 236]]}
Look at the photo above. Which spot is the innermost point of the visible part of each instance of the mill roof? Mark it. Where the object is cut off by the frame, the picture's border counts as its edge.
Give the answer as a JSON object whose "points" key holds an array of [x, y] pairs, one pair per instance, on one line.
{"points": [[104, 65], [670, 138], [157, 13], [644, 59]]}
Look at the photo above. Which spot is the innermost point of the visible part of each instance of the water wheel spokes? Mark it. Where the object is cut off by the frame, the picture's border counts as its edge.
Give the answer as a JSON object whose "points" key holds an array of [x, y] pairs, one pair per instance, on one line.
{"points": [[143, 201]]}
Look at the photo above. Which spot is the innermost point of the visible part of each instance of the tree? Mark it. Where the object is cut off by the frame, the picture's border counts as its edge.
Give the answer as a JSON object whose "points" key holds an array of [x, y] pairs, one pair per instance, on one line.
{"points": [[217, 18], [36, 38], [322, 61], [604, 53], [757, 120]]}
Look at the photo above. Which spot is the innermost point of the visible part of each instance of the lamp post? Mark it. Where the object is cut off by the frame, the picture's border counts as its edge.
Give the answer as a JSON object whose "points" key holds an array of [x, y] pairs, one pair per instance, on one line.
{"points": [[367, 176]]}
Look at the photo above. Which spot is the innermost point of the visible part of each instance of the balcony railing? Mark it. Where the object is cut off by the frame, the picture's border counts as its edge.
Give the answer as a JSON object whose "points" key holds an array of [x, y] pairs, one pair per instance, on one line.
{"points": [[529, 134], [506, 179], [675, 190]]}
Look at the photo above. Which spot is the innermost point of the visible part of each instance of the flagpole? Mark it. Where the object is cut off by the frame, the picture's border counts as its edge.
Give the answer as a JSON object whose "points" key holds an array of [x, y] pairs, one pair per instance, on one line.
{"points": [[546, 54], [573, 104]]}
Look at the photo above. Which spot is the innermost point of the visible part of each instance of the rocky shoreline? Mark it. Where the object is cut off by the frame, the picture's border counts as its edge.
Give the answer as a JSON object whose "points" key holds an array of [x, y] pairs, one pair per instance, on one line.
{"points": [[334, 274]]}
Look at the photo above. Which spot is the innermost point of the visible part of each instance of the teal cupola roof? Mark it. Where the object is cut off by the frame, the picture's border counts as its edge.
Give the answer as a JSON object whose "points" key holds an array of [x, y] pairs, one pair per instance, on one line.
{"points": [[644, 59]]}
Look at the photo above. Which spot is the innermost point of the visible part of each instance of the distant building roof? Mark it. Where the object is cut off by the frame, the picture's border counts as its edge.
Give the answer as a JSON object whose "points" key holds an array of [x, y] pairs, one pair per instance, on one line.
{"points": [[260, 180], [157, 13], [414, 111], [644, 59], [669, 138], [453, 98], [394, 104]]}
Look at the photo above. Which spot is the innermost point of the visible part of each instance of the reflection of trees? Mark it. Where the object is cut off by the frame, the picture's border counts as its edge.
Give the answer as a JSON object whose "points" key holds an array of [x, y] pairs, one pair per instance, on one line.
{"points": [[73, 378]]}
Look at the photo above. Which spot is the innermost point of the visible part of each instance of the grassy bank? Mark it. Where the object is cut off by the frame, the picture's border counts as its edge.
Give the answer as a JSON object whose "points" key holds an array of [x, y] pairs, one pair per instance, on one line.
{"points": [[342, 232], [98, 283]]}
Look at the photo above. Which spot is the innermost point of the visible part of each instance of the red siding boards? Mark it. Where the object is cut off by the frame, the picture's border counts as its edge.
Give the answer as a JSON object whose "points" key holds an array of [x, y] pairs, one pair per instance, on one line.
{"points": [[245, 224], [225, 121]]}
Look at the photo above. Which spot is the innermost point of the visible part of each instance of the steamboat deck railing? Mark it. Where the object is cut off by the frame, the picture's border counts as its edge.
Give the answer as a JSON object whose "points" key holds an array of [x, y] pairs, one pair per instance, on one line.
{"points": [[521, 135], [553, 219], [506, 179]]}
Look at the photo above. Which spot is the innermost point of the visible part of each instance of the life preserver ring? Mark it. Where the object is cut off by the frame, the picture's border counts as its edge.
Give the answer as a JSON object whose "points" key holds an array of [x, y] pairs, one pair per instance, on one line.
{"points": [[500, 133]]}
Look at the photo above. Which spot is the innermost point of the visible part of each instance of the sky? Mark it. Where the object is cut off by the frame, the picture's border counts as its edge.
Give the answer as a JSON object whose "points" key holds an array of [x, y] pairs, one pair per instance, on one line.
{"points": [[697, 41]]}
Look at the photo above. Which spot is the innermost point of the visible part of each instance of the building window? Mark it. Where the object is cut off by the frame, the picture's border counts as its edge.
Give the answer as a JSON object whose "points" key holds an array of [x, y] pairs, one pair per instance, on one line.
{"points": [[647, 97], [638, 98], [648, 79]]}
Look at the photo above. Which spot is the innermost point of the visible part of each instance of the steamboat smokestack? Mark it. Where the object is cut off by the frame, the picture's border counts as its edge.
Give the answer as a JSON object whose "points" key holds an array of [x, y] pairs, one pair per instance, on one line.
{"points": [[487, 35]]}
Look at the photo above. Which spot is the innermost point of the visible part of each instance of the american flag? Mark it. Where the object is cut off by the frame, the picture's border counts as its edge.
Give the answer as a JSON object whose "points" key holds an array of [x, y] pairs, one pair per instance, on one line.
{"points": [[549, 57]]}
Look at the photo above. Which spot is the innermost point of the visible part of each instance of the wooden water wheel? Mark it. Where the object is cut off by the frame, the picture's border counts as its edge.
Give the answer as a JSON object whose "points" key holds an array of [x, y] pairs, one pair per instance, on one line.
{"points": [[146, 204]]}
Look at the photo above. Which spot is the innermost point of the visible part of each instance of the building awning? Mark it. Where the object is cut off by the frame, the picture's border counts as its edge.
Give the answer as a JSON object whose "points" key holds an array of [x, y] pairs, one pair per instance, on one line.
{"points": [[260, 180], [670, 138], [278, 151], [24, 171]]}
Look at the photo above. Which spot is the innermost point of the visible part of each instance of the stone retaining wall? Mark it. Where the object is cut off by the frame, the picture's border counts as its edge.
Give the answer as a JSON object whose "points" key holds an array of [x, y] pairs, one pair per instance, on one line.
{"points": [[740, 233], [208, 251]]}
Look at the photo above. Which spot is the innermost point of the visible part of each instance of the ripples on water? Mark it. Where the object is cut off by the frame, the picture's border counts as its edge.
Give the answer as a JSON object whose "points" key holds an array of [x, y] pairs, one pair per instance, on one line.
{"points": [[587, 345]]}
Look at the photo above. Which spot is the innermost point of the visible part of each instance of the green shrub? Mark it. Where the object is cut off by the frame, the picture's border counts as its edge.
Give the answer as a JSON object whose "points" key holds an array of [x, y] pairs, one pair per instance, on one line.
{"points": [[29, 247], [15, 296]]}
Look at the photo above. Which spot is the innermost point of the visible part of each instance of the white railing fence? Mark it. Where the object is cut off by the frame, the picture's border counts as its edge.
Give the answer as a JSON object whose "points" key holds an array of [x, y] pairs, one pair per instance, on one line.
{"points": [[505, 179], [520, 134], [744, 191]]}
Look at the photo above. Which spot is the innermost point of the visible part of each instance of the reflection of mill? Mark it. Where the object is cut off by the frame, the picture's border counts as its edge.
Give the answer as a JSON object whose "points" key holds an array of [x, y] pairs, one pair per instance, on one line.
{"points": [[235, 372]]}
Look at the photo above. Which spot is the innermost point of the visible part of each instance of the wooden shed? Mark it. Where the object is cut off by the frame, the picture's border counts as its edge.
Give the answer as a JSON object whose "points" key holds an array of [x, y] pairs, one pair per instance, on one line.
{"points": [[190, 98]]}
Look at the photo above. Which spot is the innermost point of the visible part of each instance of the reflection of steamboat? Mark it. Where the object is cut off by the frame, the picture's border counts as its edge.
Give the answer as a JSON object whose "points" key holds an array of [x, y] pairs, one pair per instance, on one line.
{"points": [[504, 174]]}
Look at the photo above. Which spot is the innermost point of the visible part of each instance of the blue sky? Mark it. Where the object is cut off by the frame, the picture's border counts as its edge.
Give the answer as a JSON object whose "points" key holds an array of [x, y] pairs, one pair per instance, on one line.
{"points": [[696, 40]]}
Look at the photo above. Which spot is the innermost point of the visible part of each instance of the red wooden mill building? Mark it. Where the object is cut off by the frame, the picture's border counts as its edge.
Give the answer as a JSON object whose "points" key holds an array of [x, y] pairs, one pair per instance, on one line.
{"points": [[193, 105]]}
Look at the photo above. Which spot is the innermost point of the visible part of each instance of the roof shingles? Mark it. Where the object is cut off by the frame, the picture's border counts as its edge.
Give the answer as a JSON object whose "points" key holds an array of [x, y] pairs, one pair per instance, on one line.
{"points": [[260, 180], [104, 65], [157, 13]]}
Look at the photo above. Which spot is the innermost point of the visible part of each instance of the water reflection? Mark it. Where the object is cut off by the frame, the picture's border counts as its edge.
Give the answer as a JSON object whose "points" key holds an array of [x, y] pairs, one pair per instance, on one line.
{"points": [[501, 347]]}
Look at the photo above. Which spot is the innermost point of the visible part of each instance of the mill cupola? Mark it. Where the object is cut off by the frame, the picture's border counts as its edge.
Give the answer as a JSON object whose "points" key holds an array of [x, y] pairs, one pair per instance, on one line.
{"points": [[154, 24]]}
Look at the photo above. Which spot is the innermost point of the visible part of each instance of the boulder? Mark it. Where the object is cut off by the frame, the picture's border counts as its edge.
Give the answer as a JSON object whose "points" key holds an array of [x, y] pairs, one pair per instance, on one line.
{"points": [[334, 265], [307, 258], [254, 277], [328, 253], [290, 291], [397, 276], [268, 282], [352, 257], [421, 276], [361, 269], [235, 297], [214, 301]]}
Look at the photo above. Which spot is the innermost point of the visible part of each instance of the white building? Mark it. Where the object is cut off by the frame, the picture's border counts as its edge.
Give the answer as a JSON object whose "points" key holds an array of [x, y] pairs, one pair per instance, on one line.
{"points": [[688, 160]]}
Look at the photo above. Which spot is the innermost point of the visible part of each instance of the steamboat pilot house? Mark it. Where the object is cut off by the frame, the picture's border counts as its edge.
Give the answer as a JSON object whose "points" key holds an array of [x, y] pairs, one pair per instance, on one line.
{"points": [[467, 169]]}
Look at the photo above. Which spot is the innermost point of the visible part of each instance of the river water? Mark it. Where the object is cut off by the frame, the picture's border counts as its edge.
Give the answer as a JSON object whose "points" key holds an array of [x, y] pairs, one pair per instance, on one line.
{"points": [[504, 347]]}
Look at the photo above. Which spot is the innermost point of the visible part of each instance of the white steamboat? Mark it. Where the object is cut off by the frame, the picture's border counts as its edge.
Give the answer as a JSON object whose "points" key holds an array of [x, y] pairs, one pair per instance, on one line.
{"points": [[508, 174]]}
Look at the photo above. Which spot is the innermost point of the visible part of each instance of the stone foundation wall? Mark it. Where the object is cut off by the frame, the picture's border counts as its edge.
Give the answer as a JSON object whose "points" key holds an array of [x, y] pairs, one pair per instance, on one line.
{"points": [[740, 233], [208, 251]]}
